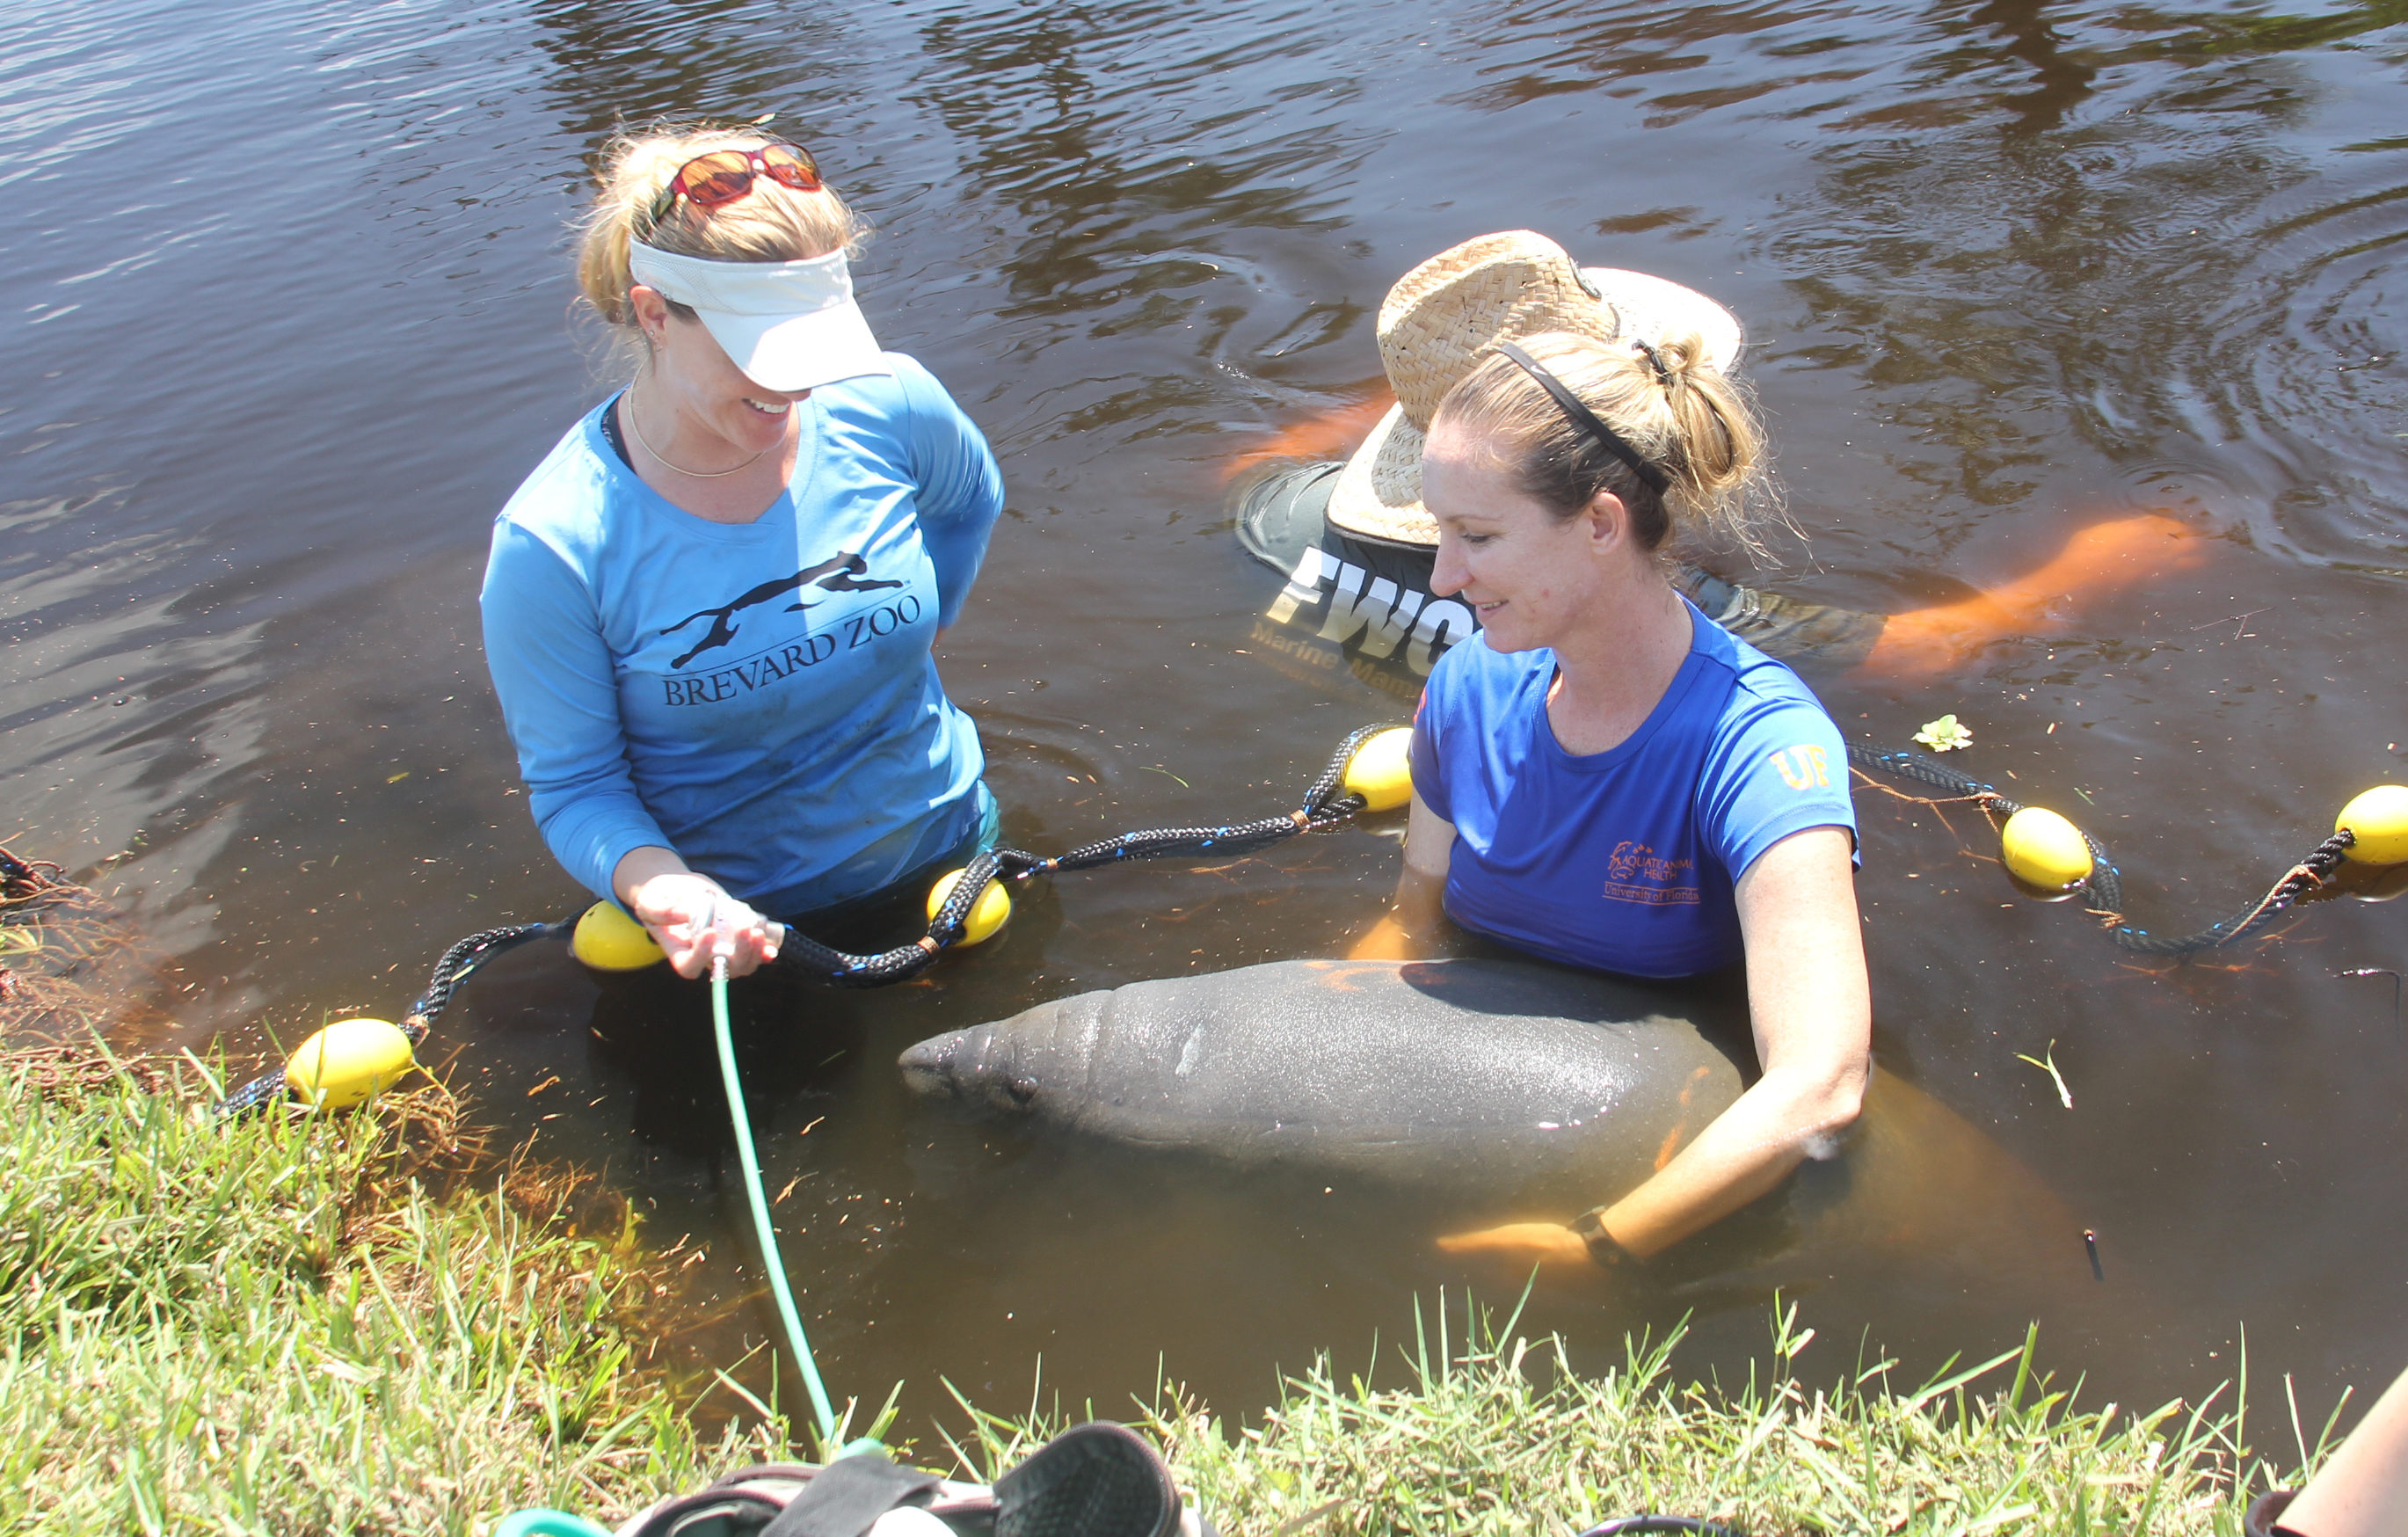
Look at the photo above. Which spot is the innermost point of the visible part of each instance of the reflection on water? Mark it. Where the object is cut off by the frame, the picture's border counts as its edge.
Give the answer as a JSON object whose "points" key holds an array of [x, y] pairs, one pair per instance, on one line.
{"points": [[2007, 267]]}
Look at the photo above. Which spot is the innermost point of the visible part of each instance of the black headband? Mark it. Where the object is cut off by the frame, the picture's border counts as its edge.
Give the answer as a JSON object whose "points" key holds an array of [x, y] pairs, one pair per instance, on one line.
{"points": [[1578, 411]]}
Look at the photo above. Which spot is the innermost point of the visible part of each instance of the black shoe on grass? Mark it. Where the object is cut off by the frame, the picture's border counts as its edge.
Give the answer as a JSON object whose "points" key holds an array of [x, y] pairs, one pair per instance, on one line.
{"points": [[1093, 1480]]}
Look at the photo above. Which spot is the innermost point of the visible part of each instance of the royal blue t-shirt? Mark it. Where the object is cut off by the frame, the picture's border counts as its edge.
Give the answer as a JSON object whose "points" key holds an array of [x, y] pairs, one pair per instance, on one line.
{"points": [[1623, 860]]}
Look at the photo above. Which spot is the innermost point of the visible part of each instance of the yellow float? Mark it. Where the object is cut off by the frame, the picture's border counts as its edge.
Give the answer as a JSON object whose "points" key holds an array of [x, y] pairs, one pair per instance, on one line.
{"points": [[348, 1063], [607, 940], [2044, 849], [2378, 819], [987, 913], [1380, 770]]}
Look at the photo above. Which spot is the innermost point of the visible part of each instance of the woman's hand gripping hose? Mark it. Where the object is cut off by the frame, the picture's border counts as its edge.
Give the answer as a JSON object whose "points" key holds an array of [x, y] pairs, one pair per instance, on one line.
{"points": [[695, 923]]}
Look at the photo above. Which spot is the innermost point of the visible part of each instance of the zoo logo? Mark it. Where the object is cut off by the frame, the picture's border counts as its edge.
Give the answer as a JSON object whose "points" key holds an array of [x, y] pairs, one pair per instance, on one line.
{"points": [[1812, 770], [843, 572], [776, 665]]}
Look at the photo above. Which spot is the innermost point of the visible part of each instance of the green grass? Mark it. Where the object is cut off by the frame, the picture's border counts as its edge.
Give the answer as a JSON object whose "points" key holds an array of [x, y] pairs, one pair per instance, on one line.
{"points": [[1501, 1436], [274, 1325], [353, 1325]]}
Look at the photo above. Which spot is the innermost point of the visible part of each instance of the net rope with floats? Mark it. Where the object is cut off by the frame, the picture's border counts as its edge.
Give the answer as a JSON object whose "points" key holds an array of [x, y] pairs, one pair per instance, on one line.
{"points": [[2037, 847], [1367, 771], [1352, 781]]}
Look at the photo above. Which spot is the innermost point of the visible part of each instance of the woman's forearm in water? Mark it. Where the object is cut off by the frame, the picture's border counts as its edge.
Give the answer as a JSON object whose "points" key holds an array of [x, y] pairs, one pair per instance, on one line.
{"points": [[1747, 1150], [2105, 557], [1742, 1154], [1417, 917], [1813, 1014]]}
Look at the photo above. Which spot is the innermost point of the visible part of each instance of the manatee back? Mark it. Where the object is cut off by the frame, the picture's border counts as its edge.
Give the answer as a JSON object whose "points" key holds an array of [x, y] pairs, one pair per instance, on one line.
{"points": [[1476, 1076]]}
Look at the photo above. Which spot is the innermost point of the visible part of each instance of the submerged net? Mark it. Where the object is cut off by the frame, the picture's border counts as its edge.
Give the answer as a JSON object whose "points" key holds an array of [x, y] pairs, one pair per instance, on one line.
{"points": [[64, 950], [2105, 885]]}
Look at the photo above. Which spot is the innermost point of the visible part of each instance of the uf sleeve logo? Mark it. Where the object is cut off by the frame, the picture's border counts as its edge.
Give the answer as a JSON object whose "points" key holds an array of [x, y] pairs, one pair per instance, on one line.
{"points": [[1810, 768]]}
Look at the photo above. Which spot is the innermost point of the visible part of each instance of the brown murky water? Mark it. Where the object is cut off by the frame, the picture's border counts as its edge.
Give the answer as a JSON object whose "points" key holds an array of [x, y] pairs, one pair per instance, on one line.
{"points": [[291, 317]]}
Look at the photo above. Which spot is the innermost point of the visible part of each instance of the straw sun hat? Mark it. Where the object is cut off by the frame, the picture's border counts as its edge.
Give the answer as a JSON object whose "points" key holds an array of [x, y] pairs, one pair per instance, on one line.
{"points": [[1445, 314]]}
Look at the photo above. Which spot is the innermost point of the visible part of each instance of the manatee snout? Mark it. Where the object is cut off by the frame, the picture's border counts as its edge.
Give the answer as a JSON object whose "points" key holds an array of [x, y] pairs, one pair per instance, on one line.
{"points": [[966, 1067], [932, 1067]]}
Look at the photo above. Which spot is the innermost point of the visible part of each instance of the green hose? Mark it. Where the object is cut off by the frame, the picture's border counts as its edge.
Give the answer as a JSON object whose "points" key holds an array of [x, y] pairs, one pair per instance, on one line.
{"points": [[552, 1523], [771, 1258]]}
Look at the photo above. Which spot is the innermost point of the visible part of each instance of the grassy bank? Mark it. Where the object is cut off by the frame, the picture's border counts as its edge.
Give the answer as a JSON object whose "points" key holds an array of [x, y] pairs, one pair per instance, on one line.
{"points": [[1505, 1438], [349, 1325], [276, 1326]]}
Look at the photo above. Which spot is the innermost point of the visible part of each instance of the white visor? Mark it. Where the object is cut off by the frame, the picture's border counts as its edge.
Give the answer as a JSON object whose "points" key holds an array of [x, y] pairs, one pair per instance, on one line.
{"points": [[789, 326]]}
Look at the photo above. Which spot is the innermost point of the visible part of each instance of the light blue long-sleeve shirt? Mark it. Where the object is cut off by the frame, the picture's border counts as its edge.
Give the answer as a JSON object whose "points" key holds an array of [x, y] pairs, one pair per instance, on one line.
{"points": [[759, 698]]}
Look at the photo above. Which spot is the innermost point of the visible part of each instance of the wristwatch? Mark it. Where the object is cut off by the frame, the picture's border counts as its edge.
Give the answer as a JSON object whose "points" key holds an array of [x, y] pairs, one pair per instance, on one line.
{"points": [[1602, 1247]]}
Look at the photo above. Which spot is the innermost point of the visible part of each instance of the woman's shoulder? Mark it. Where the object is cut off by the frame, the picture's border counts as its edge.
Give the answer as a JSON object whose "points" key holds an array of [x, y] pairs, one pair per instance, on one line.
{"points": [[1760, 684], [1772, 719], [1767, 683], [907, 389], [1769, 702], [1775, 763], [567, 500]]}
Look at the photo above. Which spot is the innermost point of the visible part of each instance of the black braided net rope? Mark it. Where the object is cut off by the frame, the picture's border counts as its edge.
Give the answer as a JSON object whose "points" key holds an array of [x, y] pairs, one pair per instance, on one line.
{"points": [[22, 878], [449, 972], [1323, 805], [2105, 886]]}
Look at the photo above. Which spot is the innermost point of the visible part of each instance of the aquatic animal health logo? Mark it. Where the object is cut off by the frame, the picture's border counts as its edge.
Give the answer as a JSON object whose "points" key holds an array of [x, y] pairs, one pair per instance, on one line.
{"points": [[1812, 770], [1635, 873], [839, 573]]}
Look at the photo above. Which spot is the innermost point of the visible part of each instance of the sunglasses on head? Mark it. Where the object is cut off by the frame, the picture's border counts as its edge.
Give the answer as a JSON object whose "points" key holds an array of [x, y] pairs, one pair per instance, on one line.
{"points": [[715, 180]]}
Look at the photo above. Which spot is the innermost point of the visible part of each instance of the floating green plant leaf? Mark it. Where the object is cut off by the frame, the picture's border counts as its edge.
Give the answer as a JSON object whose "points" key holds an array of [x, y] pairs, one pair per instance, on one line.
{"points": [[1944, 735]]}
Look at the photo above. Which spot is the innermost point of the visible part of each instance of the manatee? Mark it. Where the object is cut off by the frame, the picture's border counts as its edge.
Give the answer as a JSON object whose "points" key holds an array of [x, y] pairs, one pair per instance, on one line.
{"points": [[1458, 1077], [1510, 1088]]}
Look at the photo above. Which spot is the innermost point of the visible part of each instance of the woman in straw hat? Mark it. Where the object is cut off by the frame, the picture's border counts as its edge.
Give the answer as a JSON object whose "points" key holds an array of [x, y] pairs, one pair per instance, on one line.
{"points": [[1354, 539], [1356, 543], [1603, 777], [709, 610]]}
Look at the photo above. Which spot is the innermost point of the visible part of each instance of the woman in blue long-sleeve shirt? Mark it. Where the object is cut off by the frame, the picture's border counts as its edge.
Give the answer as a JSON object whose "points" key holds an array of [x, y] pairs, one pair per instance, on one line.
{"points": [[709, 610]]}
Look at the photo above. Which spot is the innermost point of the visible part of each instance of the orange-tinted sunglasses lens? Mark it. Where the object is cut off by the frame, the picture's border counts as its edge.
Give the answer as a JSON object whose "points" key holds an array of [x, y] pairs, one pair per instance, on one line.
{"points": [[720, 177], [709, 180], [791, 165]]}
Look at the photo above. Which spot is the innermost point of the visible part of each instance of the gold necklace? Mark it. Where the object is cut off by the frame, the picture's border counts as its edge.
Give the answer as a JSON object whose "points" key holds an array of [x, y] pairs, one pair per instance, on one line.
{"points": [[697, 474]]}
